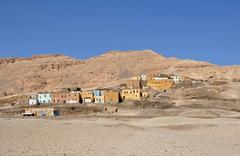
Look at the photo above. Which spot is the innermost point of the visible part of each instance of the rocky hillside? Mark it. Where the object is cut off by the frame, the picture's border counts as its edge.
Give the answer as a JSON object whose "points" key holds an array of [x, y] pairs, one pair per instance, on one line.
{"points": [[50, 72]]}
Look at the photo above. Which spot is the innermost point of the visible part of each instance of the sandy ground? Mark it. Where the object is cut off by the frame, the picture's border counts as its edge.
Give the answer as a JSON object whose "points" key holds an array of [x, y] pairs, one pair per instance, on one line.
{"points": [[123, 136]]}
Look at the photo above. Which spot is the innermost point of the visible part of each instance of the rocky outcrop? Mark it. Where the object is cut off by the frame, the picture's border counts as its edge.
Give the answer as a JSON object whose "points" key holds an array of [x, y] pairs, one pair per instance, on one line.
{"points": [[19, 59], [57, 66]]}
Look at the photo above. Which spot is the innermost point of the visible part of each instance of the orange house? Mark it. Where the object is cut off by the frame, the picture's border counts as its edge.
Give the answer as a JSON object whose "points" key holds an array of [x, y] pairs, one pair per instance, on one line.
{"points": [[160, 84], [65, 97], [111, 97], [59, 97], [87, 96], [73, 97]]}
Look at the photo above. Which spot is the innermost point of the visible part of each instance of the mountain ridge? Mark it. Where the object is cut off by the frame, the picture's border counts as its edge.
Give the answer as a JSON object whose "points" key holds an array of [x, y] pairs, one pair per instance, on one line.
{"points": [[108, 53], [48, 72]]}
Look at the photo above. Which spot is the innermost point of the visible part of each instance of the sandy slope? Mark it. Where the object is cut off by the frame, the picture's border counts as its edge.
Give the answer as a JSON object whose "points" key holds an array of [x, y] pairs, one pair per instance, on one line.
{"points": [[99, 136], [50, 72]]}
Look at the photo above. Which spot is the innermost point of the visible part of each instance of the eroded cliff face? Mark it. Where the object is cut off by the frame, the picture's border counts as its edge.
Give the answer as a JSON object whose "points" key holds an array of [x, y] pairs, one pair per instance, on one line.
{"points": [[50, 72]]}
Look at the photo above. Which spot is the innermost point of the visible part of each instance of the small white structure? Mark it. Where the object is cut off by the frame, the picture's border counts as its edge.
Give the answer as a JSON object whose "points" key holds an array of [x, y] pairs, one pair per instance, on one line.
{"points": [[87, 100], [144, 77], [160, 78], [32, 101], [72, 101], [176, 79]]}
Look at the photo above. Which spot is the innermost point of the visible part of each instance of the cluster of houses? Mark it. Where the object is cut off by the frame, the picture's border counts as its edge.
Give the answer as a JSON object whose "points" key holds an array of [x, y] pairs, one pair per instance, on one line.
{"points": [[73, 96], [136, 88]]}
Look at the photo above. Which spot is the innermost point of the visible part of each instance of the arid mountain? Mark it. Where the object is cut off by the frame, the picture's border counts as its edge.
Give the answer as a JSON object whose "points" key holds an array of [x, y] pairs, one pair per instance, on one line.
{"points": [[50, 72]]}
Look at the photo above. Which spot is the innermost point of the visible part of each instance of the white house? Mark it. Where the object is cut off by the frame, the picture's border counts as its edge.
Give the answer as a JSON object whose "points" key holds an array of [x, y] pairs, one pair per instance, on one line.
{"points": [[160, 78], [32, 101], [176, 79], [87, 100], [99, 99], [143, 77]]}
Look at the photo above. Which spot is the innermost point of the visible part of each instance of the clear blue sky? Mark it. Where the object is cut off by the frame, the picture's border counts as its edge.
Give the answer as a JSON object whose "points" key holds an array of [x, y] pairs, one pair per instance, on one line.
{"points": [[207, 30]]}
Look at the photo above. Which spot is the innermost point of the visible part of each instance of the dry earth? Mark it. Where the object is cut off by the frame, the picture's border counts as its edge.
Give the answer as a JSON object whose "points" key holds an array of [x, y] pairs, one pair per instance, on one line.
{"points": [[169, 136]]}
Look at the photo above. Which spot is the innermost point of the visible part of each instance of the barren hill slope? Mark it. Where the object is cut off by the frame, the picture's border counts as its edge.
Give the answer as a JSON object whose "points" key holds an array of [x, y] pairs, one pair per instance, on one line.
{"points": [[48, 72]]}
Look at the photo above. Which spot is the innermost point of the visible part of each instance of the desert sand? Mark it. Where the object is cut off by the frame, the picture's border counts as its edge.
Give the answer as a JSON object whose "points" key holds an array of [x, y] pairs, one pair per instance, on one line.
{"points": [[169, 136]]}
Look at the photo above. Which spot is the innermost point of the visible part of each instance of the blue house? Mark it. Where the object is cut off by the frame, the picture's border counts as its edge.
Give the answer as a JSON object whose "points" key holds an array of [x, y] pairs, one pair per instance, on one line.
{"points": [[44, 98], [97, 93], [98, 96]]}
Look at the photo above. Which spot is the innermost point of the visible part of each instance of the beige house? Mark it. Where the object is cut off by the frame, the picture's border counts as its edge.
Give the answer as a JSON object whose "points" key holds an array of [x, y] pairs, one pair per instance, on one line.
{"points": [[134, 83], [41, 111], [23, 99], [131, 94]]}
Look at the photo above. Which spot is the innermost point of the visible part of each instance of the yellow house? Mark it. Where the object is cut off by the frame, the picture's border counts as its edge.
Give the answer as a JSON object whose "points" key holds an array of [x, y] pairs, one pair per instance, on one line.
{"points": [[87, 96], [160, 84], [131, 94]]}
